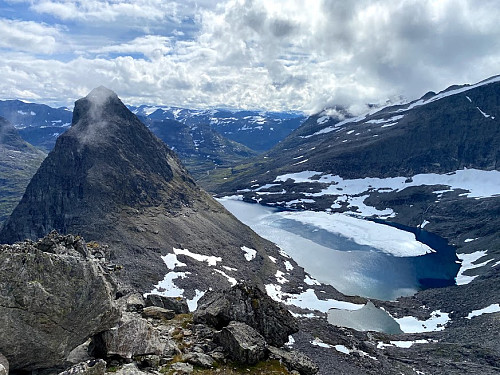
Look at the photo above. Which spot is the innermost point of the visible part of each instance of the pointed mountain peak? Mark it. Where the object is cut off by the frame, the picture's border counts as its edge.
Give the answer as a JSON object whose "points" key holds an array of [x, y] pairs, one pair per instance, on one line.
{"points": [[101, 95]]}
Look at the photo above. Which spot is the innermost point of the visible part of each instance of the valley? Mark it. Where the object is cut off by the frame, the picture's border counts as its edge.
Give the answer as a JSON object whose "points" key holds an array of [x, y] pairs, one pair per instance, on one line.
{"points": [[378, 233]]}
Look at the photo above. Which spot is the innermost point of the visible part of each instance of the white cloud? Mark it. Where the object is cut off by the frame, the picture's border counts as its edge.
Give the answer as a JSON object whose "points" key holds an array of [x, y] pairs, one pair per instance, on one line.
{"points": [[28, 36], [256, 53]]}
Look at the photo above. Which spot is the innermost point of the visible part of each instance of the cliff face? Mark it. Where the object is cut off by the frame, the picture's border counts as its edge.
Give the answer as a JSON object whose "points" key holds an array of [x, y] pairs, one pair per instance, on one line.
{"points": [[111, 180]]}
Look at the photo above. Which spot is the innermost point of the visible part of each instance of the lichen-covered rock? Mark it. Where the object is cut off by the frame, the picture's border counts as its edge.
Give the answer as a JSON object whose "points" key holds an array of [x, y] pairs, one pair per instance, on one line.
{"points": [[243, 343], [181, 368], [294, 360], [92, 367], [130, 369], [54, 295], [133, 336], [250, 305], [155, 312], [177, 304], [199, 359]]}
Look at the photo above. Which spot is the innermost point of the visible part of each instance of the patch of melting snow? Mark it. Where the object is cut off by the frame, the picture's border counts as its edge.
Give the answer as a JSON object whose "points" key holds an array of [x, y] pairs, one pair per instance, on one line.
{"points": [[424, 223], [479, 183], [193, 302], [318, 342], [470, 239], [211, 260], [172, 262], [309, 281], [280, 277], [308, 300], [167, 288], [273, 259], [468, 261], [411, 324], [288, 265], [402, 344], [231, 280], [249, 253], [487, 310], [290, 341]]}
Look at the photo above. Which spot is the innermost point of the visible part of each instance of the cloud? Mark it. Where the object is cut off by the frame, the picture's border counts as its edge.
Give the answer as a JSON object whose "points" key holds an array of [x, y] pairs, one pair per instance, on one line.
{"points": [[291, 54], [28, 36]]}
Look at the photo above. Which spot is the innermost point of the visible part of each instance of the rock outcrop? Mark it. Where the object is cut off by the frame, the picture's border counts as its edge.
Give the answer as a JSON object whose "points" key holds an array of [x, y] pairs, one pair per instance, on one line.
{"points": [[243, 343], [92, 367], [4, 365], [54, 295], [250, 305], [176, 304]]}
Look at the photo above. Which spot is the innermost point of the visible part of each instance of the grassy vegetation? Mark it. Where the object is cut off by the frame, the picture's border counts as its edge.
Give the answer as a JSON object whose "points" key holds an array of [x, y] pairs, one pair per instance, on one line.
{"points": [[262, 368]]}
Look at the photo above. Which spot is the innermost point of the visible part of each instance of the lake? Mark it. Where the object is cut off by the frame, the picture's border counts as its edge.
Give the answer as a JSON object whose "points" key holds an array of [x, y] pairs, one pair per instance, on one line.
{"points": [[398, 265]]}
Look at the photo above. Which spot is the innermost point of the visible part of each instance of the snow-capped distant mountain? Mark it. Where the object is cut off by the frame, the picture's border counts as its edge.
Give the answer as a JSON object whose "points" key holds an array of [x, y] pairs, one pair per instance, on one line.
{"points": [[257, 130], [38, 124]]}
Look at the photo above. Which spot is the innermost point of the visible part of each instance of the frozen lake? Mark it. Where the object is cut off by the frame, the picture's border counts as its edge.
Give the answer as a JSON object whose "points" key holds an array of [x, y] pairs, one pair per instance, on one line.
{"points": [[356, 256]]}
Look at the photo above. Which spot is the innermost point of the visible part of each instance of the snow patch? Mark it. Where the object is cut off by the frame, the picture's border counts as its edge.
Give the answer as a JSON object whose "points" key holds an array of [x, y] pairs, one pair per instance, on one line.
{"points": [[468, 261], [308, 300], [211, 260], [231, 280], [193, 302], [411, 324], [249, 253], [487, 310]]}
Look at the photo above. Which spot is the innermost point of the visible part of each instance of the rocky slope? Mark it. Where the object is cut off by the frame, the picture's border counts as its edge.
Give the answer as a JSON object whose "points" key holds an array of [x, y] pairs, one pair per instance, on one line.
{"points": [[18, 163], [111, 180]]}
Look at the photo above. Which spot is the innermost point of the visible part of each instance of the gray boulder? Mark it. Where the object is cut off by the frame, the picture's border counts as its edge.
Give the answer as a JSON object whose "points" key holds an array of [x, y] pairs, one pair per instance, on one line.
{"points": [[247, 304], [54, 296], [242, 343], [199, 359], [155, 312], [181, 368], [92, 367], [294, 360], [4, 365], [130, 369], [133, 336], [177, 304]]}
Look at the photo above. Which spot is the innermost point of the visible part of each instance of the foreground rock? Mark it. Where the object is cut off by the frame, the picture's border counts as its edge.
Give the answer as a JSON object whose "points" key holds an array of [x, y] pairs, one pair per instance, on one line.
{"points": [[243, 343], [4, 365], [55, 294], [294, 360], [133, 336], [249, 305], [92, 367]]}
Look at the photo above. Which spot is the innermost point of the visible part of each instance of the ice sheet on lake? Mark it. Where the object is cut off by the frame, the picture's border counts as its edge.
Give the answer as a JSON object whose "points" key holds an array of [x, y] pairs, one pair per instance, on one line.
{"points": [[388, 239]]}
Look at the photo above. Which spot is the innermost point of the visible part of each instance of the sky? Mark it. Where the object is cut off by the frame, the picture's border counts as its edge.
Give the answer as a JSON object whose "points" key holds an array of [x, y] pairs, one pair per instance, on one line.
{"points": [[303, 55]]}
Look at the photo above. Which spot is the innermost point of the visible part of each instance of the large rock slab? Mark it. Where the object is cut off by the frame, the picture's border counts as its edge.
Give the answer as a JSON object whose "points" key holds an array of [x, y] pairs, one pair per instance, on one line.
{"points": [[294, 360], [250, 305], [177, 304], [133, 336], [53, 295], [243, 343]]}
